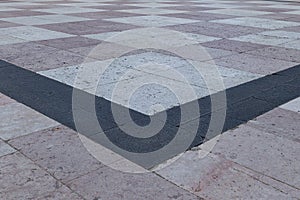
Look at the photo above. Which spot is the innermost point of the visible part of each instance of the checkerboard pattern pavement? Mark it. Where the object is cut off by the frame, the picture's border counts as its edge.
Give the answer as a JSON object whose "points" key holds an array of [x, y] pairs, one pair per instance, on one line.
{"points": [[245, 39]]}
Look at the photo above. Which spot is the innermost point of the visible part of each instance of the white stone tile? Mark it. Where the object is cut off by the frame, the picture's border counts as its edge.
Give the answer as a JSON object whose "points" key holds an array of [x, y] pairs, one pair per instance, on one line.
{"points": [[102, 36], [219, 5], [152, 21], [44, 19], [82, 4], [237, 12], [18, 120], [5, 149], [293, 105], [6, 39], [282, 34], [26, 20], [287, 6], [262, 39], [199, 53], [153, 5], [154, 38], [152, 11], [7, 8], [295, 12], [67, 10], [257, 22], [292, 45], [145, 93], [212, 76], [30, 33], [87, 75]]}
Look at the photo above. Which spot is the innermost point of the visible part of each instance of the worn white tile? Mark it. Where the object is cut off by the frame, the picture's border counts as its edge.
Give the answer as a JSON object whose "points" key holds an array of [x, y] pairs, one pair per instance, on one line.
{"points": [[237, 12], [281, 34], [211, 76], [152, 11], [257, 22], [44, 19], [6, 39], [295, 12], [67, 10], [262, 39], [8, 8], [30, 33], [153, 37], [292, 45], [153, 4], [220, 4], [152, 21]]}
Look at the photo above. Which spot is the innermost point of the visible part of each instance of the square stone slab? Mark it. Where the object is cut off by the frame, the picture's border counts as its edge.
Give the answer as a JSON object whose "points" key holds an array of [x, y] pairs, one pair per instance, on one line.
{"points": [[152, 21]]}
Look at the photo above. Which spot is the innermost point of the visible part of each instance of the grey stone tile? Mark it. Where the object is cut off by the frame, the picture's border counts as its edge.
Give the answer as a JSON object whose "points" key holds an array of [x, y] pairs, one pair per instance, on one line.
{"points": [[5, 100], [280, 122], [62, 193], [18, 120], [104, 51], [232, 45], [40, 62], [220, 30], [107, 183], [281, 53], [254, 64], [28, 49], [58, 150], [262, 152], [212, 177], [20, 178], [69, 43]]}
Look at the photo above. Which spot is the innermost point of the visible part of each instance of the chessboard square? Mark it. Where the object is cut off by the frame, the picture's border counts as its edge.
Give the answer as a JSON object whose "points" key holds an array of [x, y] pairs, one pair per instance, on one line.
{"points": [[262, 39], [219, 5], [257, 22], [62, 18], [152, 21], [6, 39], [153, 37], [295, 12], [237, 12], [30, 33], [44, 19], [8, 9], [292, 45], [282, 34], [153, 5], [152, 11], [67, 10]]}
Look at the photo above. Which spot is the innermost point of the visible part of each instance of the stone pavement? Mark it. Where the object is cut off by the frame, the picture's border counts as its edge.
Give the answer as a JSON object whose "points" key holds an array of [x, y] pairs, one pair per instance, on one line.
{"points": [[118, 51]]}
